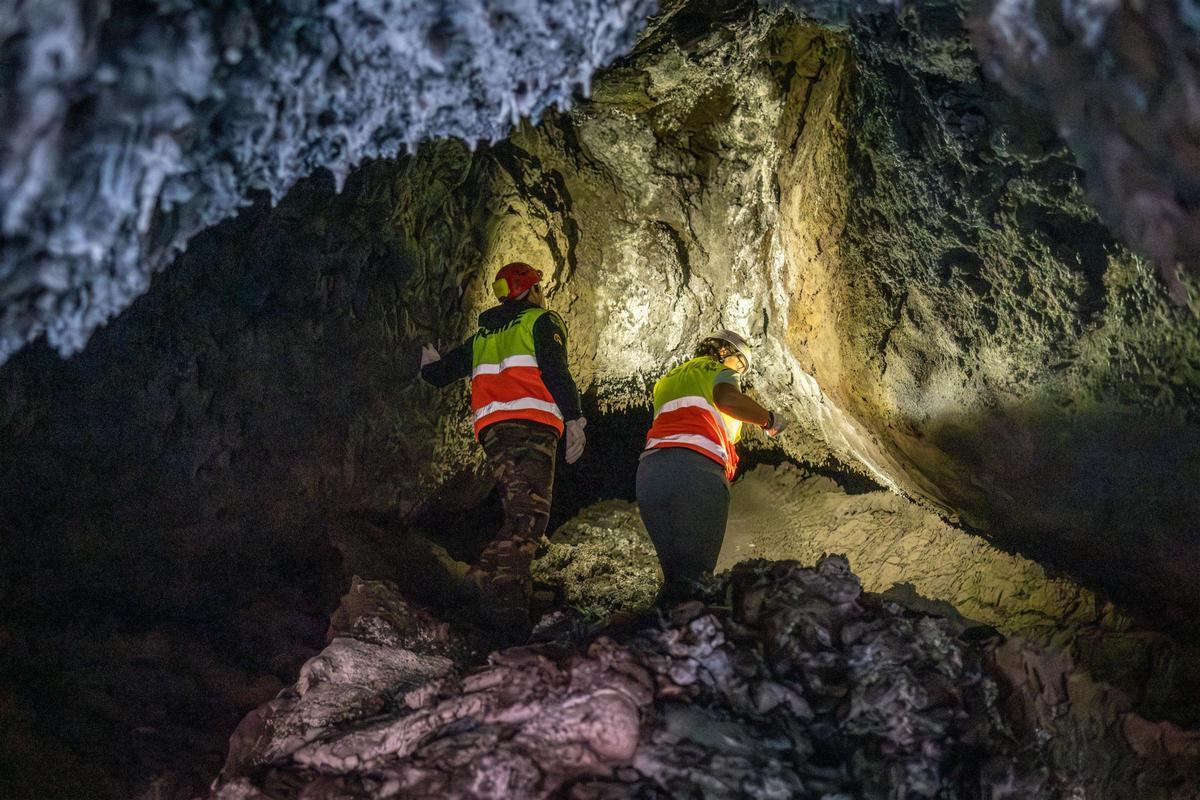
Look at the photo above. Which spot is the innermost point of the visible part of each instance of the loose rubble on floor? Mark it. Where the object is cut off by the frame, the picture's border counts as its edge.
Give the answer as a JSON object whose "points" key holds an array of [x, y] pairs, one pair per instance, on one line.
{"points": [[601, 561], [782, 681]]}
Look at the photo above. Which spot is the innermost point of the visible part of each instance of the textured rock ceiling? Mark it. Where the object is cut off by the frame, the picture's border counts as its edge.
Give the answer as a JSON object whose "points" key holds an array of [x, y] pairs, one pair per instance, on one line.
{"points": [[130, 129], [936, 299]]}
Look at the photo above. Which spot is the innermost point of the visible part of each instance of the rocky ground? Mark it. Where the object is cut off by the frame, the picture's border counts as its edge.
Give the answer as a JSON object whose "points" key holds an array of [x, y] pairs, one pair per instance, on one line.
{"points": [[788, 683], [777, 681]]}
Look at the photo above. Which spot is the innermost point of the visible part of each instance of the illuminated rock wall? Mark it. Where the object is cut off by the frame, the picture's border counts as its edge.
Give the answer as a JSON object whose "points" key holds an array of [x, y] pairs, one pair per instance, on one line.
{"points": [[130, 129]]}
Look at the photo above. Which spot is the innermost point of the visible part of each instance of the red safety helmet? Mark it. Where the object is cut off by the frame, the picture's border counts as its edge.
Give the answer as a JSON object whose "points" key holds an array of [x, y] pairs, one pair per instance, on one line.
{"points": [[514, 279]]}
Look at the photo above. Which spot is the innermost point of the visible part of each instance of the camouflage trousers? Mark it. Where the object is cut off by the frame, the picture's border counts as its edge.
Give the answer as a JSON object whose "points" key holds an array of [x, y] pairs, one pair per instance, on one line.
{"points": [[522, 457]]}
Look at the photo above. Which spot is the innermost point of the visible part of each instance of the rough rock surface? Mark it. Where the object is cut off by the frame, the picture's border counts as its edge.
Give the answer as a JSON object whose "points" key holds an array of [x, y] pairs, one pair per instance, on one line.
{"points": [[932, 294], [1122, 81], [801, 686], [903, 553], [957, 297], [601, 561], [1004, 360], [1127, 755], [785, 513], [379, 649], [908, 555], [130, 128], [932, 297]]}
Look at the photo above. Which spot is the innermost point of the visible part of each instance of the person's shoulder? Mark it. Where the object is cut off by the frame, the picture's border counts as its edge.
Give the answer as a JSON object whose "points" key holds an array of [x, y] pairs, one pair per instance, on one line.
{"points": [[725, 375], [552, 316], [706, 364], [713, 368], [553, 320]]}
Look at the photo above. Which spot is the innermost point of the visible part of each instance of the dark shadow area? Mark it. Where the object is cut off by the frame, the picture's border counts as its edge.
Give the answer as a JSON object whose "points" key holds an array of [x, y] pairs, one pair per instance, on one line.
{"points": [[120, 659], [1107, 497], [850, 480], [166, 498]]}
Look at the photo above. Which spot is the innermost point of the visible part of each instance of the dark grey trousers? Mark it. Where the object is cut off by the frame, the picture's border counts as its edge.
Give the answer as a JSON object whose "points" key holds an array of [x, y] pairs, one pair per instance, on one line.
{"points": [[684, 501]]}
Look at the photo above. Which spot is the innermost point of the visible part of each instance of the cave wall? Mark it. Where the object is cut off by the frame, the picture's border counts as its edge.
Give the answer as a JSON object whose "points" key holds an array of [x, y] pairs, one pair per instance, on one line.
{"points": [[1120, 81], [182, 501], [934, 298], [674, 173], [934, 295], [1026, 372]]}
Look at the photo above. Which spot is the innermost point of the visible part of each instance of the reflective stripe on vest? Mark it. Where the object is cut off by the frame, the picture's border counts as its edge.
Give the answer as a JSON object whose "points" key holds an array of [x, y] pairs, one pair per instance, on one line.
{"points": [[685, 414], [689, 439], [496, 369], [506, 381]]}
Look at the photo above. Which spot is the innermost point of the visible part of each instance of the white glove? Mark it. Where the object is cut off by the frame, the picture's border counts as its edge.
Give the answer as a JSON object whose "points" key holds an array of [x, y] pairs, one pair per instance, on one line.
{"points": [[576, 439], [777, 424], [428, 355]]}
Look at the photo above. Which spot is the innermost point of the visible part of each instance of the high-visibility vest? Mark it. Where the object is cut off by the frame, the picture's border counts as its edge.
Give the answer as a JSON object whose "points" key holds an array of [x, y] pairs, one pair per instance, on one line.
{"points": [[506, 382], [685, 414]]}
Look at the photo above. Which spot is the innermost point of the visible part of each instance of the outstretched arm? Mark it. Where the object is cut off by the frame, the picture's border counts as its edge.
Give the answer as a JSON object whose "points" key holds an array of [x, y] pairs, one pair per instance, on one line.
{"points": [[451, 367], [739, 406]]}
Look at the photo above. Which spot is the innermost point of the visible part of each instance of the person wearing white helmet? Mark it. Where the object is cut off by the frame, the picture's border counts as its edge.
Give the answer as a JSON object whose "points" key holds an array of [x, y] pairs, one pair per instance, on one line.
{"points": [[690, 457]]}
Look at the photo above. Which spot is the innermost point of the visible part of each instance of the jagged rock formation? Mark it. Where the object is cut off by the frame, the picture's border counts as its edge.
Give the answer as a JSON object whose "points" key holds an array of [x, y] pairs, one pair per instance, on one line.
{"points": [[131, 129], [1129, 756], [602, 561], [804, 687], [791, 683], [1120, 80], [932, 294], [956, 296]]}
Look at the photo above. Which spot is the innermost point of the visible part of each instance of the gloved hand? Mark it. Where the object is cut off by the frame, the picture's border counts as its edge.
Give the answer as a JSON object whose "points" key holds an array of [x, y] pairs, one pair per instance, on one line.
{"points": [[777, 423], [576, 439], [428, 355]]}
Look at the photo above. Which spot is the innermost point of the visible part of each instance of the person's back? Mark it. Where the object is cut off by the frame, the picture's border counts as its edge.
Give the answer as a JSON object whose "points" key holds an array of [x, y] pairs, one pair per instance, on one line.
{"points": [[523, 399], [686, 413], [690, 457]]}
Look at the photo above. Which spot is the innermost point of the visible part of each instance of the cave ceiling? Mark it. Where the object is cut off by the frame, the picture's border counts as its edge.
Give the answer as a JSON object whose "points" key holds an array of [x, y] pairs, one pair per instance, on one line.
{"points": [[133, 127]]}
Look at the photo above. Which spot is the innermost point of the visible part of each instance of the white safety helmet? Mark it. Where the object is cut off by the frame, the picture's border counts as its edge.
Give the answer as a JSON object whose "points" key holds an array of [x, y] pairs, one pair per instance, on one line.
{"points": [[736, 341]]}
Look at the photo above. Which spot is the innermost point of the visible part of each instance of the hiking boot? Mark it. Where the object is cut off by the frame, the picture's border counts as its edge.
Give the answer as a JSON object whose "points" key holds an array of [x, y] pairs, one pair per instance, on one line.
{"points": [[502, 604]]}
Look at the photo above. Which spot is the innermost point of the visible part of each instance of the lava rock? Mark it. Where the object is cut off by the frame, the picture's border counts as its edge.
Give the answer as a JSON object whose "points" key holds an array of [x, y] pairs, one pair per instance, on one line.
{"points": [[783, 681]]}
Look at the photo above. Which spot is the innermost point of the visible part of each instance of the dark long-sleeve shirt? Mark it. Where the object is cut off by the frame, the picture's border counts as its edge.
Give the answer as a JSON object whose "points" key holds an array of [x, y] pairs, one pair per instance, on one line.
{"points": [[550, 348]]}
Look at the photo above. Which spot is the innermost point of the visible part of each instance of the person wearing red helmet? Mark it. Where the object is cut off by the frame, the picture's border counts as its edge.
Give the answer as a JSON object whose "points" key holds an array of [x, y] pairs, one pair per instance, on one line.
{"points": [[523, 400]]}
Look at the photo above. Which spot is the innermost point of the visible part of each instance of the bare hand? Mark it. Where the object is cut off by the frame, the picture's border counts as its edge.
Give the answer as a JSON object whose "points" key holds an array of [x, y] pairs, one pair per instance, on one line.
{"points": [[429, 355]]}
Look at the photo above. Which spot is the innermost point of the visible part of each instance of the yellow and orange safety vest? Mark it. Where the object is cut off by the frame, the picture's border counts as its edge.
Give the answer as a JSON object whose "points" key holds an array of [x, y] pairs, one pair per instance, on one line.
{"points": [[506, 382], [685, 414]]}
